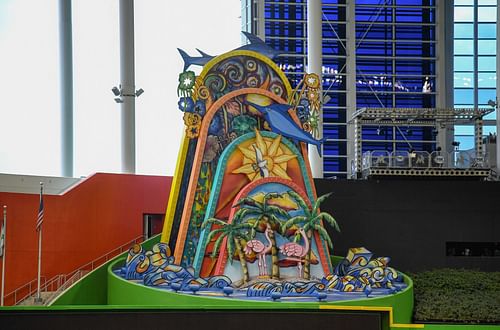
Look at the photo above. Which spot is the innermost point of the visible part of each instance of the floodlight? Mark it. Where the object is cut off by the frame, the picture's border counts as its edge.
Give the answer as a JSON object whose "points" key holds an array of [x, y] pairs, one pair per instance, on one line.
{"points": [[139, 92], [492, 103], [118, 100], [116, 91]]}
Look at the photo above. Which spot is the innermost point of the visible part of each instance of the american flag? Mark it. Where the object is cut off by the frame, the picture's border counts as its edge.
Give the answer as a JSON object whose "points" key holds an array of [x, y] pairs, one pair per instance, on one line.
{"points": [[39, 219]]}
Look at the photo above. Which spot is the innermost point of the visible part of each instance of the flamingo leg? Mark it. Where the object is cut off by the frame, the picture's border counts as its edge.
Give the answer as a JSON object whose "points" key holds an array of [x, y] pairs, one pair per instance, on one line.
{"points": [[299, 266], [264, 264], [259, 262]]}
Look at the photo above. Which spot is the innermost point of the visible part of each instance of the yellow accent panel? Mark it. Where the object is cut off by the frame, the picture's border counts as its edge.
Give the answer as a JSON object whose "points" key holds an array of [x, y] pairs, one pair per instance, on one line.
{"points": [[210, 64], [374, 309], [174, 190]]}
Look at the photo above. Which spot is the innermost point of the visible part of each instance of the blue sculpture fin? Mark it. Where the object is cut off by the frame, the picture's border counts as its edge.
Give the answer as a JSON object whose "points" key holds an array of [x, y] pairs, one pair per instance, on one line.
{"points": [[203, 53], [186, 58], [252, 38]]}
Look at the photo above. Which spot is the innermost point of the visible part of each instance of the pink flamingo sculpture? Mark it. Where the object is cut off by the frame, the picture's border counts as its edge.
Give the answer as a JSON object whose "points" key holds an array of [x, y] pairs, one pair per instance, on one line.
{"points": [[296, 252], [261, 250]]}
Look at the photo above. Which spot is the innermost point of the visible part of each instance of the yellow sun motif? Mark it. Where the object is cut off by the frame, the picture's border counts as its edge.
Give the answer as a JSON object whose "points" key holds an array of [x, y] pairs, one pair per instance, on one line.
{"points": [[273, 158]]}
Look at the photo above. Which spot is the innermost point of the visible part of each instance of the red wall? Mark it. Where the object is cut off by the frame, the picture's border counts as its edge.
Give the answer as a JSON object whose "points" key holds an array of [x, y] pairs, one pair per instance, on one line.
{"points": [[94, 217]]}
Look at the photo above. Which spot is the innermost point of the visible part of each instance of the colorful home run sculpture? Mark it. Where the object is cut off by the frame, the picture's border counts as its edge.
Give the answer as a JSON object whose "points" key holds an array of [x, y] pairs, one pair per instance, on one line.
{"points": [[243, 211]]}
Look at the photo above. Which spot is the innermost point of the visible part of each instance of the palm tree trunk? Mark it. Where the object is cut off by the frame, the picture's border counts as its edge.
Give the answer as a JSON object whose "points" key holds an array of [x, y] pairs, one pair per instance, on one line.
{"points": [[243, 262], [275, 272], [307, 260]]}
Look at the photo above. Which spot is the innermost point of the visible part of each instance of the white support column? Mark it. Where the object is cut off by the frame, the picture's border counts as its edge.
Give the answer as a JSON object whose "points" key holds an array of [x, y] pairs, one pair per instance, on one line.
{"points": [[66, 86], [351, 85], [260, 25], [444, 69], [314, 65], [127, 77]]}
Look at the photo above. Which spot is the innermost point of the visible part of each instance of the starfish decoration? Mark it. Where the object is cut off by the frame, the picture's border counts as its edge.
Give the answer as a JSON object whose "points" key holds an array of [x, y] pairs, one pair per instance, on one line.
{"points": [[272, 155]]}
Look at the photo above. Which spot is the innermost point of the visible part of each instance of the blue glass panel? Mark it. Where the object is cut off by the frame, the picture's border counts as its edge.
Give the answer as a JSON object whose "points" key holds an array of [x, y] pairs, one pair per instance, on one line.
{"points": [[377, 146], [333, 115], [491, 116], [489, 130], [418, 32], [335, 164], [463, 30], [486, 2], [465, 80], [416, 67], [415, 101], [486, 63], [486, 14], [484, 95], [334, 13], [334, 131], [463, 63], [464, 130], [488, 79], [486, 47], [370, 100], [466, 142], [415, 49], [463, 47], [463, 96], [464, 14], [464, 2], [412, 14], [485, 31]]}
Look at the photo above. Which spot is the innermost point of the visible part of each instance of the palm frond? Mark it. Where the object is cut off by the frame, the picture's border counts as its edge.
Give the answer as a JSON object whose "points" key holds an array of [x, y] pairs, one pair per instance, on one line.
{"points": [[293, 221], [324, 235], [249, 201], [302, 203], [330, 219], [212, 234], [212, 221], [217, 244], [271, 195], [277, 210], [318, 202]]}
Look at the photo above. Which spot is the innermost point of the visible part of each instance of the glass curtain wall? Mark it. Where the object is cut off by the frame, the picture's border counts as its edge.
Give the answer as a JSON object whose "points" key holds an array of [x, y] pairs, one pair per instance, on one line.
{"points": [[474, 76], [395, 66]]}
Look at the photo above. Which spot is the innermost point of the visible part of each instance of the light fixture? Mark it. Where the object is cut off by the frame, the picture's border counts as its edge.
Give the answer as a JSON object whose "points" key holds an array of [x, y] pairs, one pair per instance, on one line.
{"points": [[116, 91], [139, 92], [492, 103], [118, 100]]}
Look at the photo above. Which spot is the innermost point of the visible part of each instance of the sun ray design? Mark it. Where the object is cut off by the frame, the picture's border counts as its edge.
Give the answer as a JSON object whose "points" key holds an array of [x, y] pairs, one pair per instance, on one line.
{"points": [[264, 157]]}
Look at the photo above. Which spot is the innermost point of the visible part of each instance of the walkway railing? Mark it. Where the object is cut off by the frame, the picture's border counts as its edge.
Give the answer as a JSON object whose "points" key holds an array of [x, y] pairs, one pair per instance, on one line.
{"points": [[61, 282]]}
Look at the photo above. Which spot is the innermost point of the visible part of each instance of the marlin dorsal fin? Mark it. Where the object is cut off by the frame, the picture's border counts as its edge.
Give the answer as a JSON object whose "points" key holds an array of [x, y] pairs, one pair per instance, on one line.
{"points": [[203, 53], [252, 38]]}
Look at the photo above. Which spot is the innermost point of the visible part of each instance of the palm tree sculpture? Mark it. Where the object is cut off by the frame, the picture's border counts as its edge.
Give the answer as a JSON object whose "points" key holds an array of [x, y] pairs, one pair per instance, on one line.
{"points": [[259, 215], [234, 231], [311, 221]]}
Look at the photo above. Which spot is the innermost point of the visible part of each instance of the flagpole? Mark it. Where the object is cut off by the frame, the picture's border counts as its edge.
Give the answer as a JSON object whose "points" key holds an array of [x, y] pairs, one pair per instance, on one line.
{"points": [[38, 298], [4, 230]]}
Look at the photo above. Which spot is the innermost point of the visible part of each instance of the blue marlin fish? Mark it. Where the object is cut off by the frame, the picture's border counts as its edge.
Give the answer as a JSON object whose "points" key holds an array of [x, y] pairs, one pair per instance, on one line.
{"points": [[278, 118], [255, 45]]}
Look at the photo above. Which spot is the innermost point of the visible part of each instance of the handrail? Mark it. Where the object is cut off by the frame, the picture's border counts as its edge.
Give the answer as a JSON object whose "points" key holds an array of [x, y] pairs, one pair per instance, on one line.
{"points": [[29, 289], [18, 294], [66, 284]]}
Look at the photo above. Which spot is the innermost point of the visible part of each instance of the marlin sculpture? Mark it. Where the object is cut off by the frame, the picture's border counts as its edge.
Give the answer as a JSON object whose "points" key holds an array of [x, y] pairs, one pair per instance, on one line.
{"points": [[278, 118], [255, 45]]}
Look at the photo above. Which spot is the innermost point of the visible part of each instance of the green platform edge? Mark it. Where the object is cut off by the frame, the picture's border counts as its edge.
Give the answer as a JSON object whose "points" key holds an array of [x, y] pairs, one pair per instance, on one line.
{"points": [[103, 290]]}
